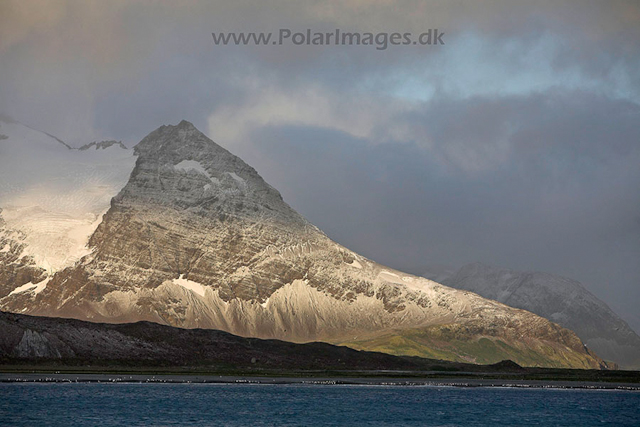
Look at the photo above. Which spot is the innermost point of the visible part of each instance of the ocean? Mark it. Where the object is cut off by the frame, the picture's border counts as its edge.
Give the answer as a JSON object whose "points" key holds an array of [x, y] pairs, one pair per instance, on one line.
{"points": [[126, 404]]}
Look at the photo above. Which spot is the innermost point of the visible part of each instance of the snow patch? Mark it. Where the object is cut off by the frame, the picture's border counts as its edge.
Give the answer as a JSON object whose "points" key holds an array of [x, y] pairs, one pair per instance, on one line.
{"points": [[35, 288], [236, 178], [20, 289], [40, 286], [6, 248], [388, 273], [192, 165], [388, 276], [355, 264], [190, 284]]}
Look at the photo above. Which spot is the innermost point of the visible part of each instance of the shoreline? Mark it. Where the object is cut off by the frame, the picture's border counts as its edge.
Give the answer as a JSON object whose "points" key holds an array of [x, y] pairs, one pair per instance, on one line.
{"points": [[58, 378]]}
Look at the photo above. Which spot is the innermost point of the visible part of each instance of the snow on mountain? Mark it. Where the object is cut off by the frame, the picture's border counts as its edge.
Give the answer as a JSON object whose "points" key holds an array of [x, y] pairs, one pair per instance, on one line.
{"points": [[197, 239], [558, 299], [52, 197]]}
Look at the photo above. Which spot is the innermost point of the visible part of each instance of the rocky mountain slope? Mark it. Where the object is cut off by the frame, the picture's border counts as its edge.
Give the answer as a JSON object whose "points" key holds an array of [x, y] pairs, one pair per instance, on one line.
{"points": [[197, 239], [561, 300]]}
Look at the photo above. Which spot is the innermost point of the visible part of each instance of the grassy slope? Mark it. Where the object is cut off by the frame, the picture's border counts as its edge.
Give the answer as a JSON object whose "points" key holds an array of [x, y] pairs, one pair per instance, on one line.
{"points": [[445, 343]]}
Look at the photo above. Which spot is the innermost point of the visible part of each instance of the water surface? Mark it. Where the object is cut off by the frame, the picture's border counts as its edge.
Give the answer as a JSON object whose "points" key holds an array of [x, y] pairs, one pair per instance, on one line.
{"points": [[74, 404]]}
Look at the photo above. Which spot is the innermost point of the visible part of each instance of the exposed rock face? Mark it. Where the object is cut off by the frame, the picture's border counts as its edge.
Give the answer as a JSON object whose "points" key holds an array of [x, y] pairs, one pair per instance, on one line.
{"points": [[196, 238], [16, 271], [102, 145], [558, 299]]}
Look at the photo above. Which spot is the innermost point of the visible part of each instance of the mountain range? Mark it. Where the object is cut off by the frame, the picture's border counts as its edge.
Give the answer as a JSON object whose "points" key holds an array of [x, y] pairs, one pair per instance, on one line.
{"points": [[181, 232]]}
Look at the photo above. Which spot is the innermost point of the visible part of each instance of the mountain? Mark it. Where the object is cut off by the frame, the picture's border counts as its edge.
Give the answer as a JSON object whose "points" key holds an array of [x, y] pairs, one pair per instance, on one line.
{"points": [[561, 300], [197, 239]]}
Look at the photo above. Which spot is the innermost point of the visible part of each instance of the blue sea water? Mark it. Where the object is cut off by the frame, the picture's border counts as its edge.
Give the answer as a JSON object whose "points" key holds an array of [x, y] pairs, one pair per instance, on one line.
{"points": [[33, 404]]}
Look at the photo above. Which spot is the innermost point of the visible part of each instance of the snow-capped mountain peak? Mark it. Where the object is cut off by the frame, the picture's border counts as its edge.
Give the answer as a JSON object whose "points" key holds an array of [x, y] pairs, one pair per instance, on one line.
{"points": [[196, 238]]}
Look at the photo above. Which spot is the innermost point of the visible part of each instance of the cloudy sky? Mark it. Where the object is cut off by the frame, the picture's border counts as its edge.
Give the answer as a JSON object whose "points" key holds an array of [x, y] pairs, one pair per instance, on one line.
{"points": [[516, 143]]}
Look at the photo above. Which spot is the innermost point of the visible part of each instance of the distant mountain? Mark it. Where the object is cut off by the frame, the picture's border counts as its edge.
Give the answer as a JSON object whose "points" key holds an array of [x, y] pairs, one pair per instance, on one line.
{"points": [[197, 239], [558, 299]]}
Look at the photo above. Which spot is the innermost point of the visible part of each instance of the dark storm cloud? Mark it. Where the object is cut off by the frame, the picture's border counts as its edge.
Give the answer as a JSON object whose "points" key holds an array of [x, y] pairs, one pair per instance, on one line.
{"points": [[559, 193], [516, 143], [557, 173], [66, 58]]}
